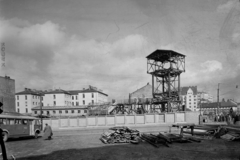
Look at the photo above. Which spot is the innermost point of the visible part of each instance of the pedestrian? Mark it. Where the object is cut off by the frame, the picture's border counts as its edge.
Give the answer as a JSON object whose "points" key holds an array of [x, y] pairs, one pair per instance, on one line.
{"points": [[47, 132]]}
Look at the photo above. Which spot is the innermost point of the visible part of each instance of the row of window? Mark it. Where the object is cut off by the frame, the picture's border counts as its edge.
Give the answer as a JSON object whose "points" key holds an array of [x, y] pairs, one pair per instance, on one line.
{"points": [[33, 96], [26, 103], [18, 110], [60, 111]]}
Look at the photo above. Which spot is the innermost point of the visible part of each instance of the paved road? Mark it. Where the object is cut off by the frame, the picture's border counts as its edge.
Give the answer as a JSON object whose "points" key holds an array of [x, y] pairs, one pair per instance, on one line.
{"points": [[85, 144]]}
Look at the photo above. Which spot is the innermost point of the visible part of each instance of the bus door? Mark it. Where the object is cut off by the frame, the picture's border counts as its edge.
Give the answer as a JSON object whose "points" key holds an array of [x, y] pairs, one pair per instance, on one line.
{"points": [[22, 126], [37, 124]]}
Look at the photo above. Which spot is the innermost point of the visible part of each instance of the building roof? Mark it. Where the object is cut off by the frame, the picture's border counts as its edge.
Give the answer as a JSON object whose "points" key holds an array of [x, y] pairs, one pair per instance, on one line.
{"points": [[164, 55], [59, 107], [57, 91], [30, 92], [227, 104], [89, 90], [143, 91], [185, 89]]}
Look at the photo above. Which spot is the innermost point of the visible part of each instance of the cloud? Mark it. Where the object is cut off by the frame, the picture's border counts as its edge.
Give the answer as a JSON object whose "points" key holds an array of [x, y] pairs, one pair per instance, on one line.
{"points": [[226, 7], [43, 55], [211, 66]]}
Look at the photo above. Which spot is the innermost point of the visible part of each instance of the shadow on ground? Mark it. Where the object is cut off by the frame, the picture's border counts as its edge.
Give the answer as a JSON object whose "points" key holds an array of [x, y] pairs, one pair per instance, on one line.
{"points": [[21, 138], [144, 151]]}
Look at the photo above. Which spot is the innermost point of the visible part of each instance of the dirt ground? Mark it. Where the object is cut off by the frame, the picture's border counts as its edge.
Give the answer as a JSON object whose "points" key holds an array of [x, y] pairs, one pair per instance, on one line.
{"points": [[79, 145]]}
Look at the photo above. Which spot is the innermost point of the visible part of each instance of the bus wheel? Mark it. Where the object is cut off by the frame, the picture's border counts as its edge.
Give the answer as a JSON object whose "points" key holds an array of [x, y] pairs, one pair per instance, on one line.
{"points": [[5, 136]]}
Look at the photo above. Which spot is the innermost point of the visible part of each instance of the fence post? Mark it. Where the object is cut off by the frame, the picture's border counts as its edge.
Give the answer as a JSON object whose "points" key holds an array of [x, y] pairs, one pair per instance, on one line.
{"points": [[86, 121], [144, 118], [96, 120], [115, 120], [125, 119], [135, 119]]}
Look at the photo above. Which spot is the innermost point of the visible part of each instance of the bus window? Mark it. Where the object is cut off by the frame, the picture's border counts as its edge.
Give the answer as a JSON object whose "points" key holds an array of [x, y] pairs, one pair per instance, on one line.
{"points": [[18, 121], [1, 121], [4, 121], [11, 121], [24, 121]]}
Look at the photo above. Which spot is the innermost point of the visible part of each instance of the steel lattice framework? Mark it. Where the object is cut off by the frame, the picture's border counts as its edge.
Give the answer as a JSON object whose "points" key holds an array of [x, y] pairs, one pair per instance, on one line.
{"points": [[165, 66]]}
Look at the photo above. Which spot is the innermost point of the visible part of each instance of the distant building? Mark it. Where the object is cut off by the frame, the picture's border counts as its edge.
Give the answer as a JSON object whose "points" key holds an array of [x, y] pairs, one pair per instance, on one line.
{"points": [[190, 97], [224, 106], [204, 97], [27, 99], [59, 102], [143, 92], [88, 96], [7, 93], [57, 97]]}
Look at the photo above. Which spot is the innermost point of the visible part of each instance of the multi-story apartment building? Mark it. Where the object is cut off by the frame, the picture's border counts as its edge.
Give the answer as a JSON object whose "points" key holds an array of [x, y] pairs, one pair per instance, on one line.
{"points": [[88, 96], [27, 99], [59, 102], [57, 97], [189, 97]]}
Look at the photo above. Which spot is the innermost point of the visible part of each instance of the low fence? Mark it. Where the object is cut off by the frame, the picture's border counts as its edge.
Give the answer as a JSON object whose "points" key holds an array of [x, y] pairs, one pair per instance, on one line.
{"points": [[123, 120]]}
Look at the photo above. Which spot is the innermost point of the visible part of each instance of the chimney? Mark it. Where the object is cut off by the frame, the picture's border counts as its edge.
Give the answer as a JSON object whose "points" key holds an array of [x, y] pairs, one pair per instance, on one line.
{"points": [[25, 89]]}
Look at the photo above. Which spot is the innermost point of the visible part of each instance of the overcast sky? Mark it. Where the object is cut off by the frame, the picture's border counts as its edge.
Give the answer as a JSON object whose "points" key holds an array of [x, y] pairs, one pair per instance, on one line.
{"points": [[70, 44]]}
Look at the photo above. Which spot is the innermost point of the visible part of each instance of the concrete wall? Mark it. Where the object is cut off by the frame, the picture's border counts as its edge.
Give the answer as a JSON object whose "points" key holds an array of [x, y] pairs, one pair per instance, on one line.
{"points": [[124, 120], [7, 94]]}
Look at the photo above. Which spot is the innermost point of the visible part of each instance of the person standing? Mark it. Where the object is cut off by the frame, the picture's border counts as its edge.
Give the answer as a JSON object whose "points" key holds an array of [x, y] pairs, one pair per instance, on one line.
{"points": [[47, 132]]}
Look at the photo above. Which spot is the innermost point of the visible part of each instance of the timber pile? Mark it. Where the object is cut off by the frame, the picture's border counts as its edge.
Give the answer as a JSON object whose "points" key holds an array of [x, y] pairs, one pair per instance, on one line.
{"points": [[120, 135], [166, 139], [229, 132]]}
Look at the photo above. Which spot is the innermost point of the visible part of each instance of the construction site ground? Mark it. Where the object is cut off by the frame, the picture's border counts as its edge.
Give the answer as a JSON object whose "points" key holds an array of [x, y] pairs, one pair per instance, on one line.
{"points": [[85, 144]]}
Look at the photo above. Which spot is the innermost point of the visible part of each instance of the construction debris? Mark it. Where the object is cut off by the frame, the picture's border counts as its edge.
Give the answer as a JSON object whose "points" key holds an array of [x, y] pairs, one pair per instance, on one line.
{"points": [[120, 135]]}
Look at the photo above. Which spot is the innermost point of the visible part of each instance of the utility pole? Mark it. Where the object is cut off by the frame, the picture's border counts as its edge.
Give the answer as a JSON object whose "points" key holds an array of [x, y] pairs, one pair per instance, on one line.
{"points": [[41, 104], [218, 99]]}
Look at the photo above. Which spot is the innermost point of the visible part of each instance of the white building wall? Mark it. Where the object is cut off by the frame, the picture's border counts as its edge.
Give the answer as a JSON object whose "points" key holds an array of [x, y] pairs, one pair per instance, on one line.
{"points": [[57, 99], [24, 105]]}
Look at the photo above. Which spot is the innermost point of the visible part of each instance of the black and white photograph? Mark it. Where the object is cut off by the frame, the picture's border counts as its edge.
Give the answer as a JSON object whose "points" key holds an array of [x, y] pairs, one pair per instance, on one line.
{"points": [[120, 79]]}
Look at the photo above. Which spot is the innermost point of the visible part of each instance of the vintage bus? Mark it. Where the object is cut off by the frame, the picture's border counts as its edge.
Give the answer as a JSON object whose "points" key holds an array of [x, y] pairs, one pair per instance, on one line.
{"points": [[15, 126]]}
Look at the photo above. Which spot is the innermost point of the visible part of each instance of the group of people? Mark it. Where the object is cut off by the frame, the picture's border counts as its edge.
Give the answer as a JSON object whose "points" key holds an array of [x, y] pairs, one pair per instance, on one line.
{"points": [[231, 117]]}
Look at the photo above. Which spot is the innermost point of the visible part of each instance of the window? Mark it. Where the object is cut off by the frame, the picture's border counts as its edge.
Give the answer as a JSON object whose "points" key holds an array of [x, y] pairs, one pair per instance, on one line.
{"points": [[17, 103], [76, 97], [33, 103], [35, 112], [72, 103], [77, 104], [79, 111], [60, 111], [25, 97], [54, 103], [83, 102], [72, 111], [25, 103], [54, 112], [17, 97], [85, 111], [47, 112], [54, 96], [26, 110], [18, 110], [72, 97], [83, 95], [92, 95], [92, 101], [33, 96], [189, 102], [66, 111]]}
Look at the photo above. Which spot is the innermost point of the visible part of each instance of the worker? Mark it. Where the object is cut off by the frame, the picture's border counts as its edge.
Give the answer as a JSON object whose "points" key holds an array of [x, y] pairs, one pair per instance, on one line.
{"points": [[47, 132]]}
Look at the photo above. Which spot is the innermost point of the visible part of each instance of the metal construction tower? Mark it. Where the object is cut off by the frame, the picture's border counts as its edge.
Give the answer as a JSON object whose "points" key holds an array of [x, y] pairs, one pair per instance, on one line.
{"points": [[165, 66]]}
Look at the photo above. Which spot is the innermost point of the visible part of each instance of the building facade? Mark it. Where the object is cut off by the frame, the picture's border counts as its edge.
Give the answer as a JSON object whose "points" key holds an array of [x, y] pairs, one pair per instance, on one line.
{"points": [[60, 111], [58, 102], [27, 99], [7, 93], [88, 96], [223, 106], [57, 97], [190, 97]]}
